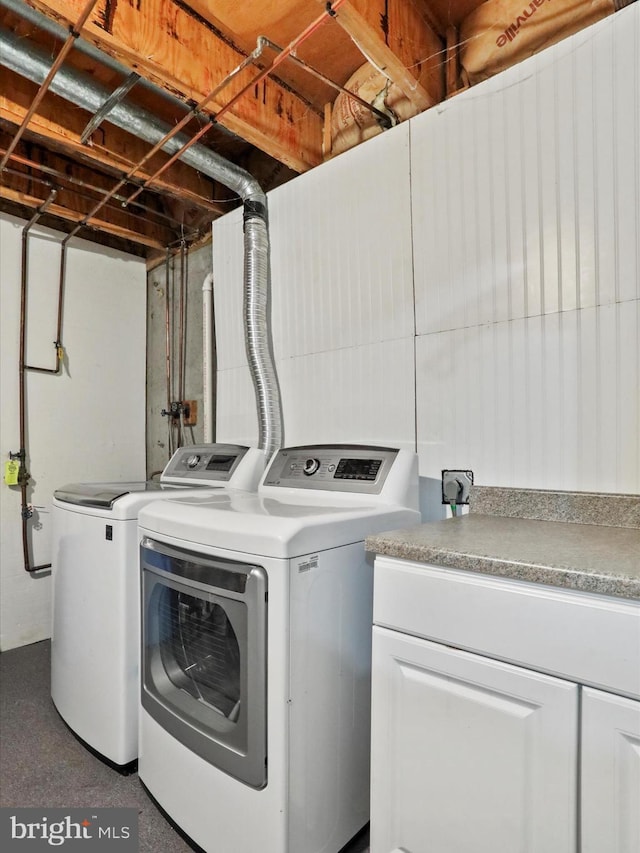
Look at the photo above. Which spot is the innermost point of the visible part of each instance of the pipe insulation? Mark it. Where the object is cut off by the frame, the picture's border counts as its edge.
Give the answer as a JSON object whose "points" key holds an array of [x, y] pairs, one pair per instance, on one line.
{"points": [[28, 60]]}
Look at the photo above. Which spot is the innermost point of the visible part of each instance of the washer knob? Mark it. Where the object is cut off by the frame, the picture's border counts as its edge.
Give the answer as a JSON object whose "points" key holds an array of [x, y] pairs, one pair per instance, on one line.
{"points": [[310, 466], [192, 461]]}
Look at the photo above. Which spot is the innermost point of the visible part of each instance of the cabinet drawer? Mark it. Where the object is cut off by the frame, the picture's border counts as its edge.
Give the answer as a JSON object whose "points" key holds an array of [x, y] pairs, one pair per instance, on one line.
{"points": [[591, 639]]}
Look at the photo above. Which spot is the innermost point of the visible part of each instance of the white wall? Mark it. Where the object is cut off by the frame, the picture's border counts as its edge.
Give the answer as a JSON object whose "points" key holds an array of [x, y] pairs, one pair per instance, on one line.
{"points": [[84, 425], [468, 283], [526, 218], [342, 298]]}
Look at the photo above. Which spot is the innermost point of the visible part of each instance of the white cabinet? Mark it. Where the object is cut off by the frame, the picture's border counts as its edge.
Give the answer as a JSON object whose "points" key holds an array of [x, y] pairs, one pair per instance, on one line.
{"points": [[491, 730], [469, 755], [610, 773]]}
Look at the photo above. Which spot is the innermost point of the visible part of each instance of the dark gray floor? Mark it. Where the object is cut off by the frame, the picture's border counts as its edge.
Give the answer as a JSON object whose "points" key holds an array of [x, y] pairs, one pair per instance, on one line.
{"points": [[43, 765]]}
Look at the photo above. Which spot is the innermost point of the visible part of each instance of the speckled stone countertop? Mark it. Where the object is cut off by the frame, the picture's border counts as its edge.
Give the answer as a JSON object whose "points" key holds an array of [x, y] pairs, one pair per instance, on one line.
{"points": [[592, 556]]}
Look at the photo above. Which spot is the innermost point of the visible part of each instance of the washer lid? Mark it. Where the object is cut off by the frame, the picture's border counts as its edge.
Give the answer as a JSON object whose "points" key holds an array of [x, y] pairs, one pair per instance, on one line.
{"points": [[102, 495]]}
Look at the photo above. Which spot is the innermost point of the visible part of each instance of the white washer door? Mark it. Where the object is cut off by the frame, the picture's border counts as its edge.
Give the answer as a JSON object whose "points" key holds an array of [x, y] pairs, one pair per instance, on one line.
{"points": [[204, 655]]}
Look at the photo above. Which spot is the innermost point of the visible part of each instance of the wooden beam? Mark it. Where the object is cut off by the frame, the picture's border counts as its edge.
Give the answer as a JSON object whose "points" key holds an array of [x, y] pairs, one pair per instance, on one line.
{"points": [[35, 171], [326, 143], [171, 45], [61, 124], [59, 211], [452, 62], [370, 38]]}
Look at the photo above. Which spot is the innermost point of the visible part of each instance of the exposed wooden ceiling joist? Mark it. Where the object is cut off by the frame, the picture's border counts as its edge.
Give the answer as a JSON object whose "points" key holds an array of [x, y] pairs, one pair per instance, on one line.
{"points": [[401, 55], [61, 125], [32, 171], [169, 45], [409, 58]]}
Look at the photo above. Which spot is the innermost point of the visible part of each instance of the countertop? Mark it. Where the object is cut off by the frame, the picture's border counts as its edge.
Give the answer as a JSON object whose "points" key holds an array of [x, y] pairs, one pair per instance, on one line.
{"points": [[593, 557]]}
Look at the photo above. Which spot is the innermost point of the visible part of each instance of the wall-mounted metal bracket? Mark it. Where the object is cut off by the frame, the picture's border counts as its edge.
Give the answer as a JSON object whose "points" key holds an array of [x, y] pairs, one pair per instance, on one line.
{"points": [[117, 95]]}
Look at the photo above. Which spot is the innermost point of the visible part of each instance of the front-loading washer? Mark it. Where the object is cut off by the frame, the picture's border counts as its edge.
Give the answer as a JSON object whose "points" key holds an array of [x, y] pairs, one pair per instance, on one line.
{"points": [[95, 646], [256, 650]]}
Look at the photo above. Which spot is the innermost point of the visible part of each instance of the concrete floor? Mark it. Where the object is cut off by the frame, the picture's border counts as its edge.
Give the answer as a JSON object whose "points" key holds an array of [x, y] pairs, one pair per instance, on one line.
{"points": [[43, 765]]}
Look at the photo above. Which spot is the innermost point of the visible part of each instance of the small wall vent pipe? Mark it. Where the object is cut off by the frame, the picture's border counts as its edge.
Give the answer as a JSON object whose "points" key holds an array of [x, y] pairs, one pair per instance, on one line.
{"points": [[207, 357]]}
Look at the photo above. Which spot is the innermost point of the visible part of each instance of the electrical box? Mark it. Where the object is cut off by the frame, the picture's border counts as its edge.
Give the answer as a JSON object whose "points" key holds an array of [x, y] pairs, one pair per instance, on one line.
{"points": [[190, 410], [456, 485]]}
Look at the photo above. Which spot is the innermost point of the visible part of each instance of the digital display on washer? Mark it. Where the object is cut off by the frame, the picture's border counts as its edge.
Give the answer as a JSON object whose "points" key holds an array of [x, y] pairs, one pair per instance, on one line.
{"points": [[218, 462], [357, 469]]}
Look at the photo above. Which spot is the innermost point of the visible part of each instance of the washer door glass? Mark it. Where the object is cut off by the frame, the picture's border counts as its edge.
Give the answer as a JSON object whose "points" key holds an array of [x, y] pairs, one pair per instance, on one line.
{"points": [[201, 652], [204, 656]]}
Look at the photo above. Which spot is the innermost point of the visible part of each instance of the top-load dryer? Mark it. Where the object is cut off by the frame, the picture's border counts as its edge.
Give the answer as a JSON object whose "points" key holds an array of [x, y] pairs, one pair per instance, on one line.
{"points": [[95, 646], [256, 650]]}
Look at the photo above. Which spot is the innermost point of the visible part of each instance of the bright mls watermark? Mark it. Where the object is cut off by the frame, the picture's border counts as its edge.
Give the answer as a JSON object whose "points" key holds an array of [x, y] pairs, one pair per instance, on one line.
{"points": [[36, 830]]}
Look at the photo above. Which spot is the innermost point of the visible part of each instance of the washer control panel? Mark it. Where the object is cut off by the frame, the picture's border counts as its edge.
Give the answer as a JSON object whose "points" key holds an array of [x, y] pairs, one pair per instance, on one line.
{"points": [[204, 462], [338, 468]]}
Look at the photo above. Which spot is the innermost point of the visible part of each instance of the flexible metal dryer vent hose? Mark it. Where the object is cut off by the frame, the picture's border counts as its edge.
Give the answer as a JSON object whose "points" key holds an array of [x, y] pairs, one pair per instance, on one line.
{"points": [[30, 61]]}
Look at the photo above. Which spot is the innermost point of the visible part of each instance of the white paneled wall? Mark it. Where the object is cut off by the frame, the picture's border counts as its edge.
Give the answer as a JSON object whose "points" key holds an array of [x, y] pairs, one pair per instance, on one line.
{"points": [[525, 188], [526, 217], [548, 401], [342, 303], [341, 251], [236, 408], [84, 425], [228, 259], [468, 283], [360, 394]]}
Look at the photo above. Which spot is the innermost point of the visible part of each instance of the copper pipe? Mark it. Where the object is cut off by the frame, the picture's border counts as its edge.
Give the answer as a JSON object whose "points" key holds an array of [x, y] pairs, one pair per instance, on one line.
{"points": [[181, 294], [383, 117], [168, 347], [62, 177], [24, 475], [135, 169], [176, 129], [304, 35], [192, 113], [111, 193], [58, 341], [74, 32]]}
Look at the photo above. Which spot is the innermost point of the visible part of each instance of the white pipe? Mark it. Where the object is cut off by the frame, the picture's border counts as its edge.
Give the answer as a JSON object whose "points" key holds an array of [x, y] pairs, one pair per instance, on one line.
{"points": [[207, 357]]}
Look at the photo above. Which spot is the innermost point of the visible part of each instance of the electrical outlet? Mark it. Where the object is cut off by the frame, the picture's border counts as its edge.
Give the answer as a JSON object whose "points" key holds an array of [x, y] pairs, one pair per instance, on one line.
{"points": [[456, 485]]}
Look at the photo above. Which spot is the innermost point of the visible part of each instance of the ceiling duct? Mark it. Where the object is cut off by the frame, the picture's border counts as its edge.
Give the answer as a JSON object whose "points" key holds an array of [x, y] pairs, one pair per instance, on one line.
{"points": [[28, 60]]}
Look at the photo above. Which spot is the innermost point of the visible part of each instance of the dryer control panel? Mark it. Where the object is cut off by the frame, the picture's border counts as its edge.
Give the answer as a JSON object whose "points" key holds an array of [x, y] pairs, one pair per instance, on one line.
{"points": [[338, 468]]}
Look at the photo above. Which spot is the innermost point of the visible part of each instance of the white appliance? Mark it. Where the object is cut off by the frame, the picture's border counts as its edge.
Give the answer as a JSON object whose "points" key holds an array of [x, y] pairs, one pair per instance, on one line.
{"points": [[256, 654], [96, 582]]}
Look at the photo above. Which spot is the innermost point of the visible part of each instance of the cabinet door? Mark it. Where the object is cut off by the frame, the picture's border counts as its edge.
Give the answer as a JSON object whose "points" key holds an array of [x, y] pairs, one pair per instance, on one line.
{"points": [[469, 755], [610, 773]]}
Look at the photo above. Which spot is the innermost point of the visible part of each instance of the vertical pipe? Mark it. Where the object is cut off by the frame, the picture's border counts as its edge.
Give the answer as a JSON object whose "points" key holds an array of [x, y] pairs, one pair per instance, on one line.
{"points": [[168, 347], [181, 327], [25, 512], [207, 357], [257, 329], [181, 342], [32, 62]]}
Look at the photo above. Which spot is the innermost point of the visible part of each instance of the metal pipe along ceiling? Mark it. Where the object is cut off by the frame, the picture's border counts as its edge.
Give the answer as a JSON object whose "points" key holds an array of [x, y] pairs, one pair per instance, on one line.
{"points": [[33, 63], [27, 13]]}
